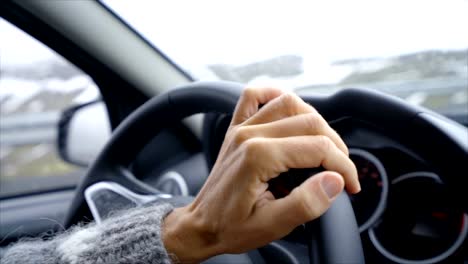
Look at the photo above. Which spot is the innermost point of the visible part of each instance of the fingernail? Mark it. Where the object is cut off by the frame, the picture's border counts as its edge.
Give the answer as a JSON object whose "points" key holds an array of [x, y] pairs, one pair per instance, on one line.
{"points": [[331, 185]]}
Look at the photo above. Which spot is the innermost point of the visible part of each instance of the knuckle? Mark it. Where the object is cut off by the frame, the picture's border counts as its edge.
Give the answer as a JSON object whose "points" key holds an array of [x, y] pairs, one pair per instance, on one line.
{"points": [[324, 144], [314, 122], [309, 211], [253, 147], [290, 102], [248, 92], [311, 108], [313, 204], [353, 170], [346, 150], [240, 135]]}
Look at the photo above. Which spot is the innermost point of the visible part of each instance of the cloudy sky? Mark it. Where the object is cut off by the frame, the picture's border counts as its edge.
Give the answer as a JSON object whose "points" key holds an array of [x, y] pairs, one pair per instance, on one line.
{"points": [[213, 31], [198, 33]]}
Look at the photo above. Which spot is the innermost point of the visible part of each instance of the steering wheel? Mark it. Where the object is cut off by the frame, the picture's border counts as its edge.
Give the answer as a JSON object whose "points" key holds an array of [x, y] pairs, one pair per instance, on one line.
{"points": [[337, 236]]}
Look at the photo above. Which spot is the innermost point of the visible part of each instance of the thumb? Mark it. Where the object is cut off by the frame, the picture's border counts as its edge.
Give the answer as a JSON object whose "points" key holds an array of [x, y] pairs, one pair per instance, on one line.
{"points": [[305, 203]]}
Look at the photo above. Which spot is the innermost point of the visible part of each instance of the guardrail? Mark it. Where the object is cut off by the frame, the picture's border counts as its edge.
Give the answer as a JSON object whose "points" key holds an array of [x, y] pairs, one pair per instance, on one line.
{"points": [[24, 129]]}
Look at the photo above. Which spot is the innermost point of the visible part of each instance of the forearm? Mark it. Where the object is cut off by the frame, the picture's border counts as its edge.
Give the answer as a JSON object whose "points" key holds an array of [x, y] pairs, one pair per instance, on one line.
{"points": [[132, 236]]}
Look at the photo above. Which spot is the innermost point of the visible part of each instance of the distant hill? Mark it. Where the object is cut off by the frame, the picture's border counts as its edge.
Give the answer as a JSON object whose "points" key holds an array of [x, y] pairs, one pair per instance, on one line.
{"points": [[48, 101], [56, 69], [415, 66], [281, 66], [50, 85]]}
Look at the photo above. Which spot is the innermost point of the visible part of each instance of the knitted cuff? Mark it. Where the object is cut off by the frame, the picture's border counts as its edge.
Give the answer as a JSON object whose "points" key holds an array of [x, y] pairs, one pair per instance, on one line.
{"points": [[132, 236]]}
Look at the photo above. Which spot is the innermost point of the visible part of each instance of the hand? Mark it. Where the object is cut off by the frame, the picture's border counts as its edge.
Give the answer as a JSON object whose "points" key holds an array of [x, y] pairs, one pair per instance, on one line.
{"points": [[234, 212]]}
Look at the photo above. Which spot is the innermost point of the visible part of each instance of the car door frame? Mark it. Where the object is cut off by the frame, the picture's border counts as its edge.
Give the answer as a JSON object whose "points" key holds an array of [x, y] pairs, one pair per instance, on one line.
{"points": [[42, 213]]}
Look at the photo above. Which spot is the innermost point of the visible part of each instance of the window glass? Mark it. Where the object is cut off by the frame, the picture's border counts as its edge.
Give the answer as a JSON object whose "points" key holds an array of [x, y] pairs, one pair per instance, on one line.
{"points": [[36, 85], [416, 49]]}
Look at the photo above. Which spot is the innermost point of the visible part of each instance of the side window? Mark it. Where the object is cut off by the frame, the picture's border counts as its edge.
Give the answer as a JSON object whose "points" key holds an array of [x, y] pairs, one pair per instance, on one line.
{"points": [[36, 86]]}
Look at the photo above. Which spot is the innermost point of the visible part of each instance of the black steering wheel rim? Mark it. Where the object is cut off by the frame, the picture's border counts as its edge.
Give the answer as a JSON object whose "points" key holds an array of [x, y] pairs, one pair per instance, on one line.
{"points": [[222, 97], [171, 107]]}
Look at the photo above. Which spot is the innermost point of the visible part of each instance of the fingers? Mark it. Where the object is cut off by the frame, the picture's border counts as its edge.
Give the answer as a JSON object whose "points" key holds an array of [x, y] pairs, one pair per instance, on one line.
{"points": [[280, 106], [305, 203], [277, 155], [304, 124], [250, 100], [264, 198], [288, 104]]}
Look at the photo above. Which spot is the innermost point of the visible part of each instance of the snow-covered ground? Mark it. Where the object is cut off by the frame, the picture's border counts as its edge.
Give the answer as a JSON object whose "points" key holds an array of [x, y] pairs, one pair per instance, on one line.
{"points": [[14, 92]]}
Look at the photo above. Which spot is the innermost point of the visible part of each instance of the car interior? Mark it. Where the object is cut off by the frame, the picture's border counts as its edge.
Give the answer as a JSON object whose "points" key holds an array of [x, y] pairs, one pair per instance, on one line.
{"points": [[154, 132]]}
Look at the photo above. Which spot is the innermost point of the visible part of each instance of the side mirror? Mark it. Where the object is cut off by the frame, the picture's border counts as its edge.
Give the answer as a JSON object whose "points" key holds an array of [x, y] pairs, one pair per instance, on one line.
{"points": [[83, 131]]}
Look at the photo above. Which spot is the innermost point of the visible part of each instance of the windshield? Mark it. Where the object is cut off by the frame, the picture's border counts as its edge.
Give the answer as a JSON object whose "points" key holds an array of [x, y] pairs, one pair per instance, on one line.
{"points": [[417, 50]]}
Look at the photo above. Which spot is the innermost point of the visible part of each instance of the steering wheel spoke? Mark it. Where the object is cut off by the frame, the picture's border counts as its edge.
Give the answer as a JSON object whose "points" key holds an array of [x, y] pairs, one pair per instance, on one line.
{"points": [[106, 197]]}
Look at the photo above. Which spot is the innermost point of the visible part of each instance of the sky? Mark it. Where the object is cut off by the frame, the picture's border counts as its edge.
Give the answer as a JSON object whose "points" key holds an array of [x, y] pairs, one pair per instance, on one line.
{"points": [[213, 31], [18, 48], [198, 33]]}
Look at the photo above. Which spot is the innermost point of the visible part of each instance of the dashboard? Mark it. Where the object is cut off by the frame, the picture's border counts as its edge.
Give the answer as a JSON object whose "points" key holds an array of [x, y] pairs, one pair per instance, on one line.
{"points": [[405, 211]]}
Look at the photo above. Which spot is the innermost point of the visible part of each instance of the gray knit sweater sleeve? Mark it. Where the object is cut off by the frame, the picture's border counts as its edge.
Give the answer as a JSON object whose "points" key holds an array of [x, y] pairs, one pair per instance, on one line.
{"points": [[132, 236]]}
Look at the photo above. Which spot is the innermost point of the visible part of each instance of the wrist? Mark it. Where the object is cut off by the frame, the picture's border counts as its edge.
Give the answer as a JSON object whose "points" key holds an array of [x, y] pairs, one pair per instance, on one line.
{"points": [[184, 239]]}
